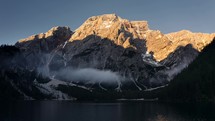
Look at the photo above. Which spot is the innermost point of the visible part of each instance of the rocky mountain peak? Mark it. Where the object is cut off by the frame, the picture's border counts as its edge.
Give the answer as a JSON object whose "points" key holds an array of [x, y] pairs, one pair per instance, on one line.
{"points": [[48, 41], [185, 37], [112, 27], [60, 32], [123, 32], [105, 17]]}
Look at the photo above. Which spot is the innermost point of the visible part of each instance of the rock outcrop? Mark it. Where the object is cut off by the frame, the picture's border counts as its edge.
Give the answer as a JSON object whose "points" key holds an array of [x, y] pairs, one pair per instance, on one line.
{"points": [[185, 37], [45, 42]]}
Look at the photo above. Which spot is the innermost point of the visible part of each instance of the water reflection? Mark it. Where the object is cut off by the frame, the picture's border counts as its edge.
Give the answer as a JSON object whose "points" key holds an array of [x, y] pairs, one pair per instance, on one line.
{"points": [[112, 111]]}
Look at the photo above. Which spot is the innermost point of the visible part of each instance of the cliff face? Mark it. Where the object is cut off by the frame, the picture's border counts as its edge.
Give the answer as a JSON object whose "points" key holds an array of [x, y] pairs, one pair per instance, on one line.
{"points": [[45, 42], [144, 58], [123, 32], [111, 27], [38, 49], [185, 37]]}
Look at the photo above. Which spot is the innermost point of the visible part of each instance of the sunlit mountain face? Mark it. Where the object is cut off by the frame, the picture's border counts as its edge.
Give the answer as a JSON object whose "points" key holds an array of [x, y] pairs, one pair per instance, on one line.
{"points": [[107, 57]]}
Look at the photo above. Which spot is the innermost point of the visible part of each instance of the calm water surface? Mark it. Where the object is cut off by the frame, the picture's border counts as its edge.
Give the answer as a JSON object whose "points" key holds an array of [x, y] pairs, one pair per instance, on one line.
{"points": [[112, 111]]}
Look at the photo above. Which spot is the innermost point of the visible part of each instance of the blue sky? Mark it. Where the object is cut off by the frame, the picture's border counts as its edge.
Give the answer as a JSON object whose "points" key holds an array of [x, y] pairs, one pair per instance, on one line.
{"points": [[22, 18]]}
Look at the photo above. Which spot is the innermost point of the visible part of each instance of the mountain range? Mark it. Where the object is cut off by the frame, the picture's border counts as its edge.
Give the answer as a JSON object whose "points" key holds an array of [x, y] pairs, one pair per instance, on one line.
{"points": [[107, 57]]}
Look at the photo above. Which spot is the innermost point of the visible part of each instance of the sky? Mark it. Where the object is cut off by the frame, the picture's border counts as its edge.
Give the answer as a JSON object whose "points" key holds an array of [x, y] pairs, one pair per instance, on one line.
{"points": [[22, 18]]}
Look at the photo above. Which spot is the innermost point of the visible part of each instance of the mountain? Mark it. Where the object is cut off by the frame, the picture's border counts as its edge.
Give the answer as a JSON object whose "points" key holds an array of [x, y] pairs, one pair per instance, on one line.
{"points": [[196, 83], [106, 54]]}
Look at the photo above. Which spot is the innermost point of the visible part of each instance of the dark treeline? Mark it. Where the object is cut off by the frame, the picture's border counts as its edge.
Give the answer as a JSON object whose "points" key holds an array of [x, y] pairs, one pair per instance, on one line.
{"points": [[15, 78], [194, 84]]}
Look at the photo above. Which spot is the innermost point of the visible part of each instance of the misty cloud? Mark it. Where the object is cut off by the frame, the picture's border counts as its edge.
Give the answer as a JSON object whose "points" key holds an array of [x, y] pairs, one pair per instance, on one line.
{"points": [[90, 75]]}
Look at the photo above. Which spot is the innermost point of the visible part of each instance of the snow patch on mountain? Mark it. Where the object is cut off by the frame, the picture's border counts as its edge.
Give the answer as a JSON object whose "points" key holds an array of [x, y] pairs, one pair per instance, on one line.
{"points": [[106, 24], [148, 58]]}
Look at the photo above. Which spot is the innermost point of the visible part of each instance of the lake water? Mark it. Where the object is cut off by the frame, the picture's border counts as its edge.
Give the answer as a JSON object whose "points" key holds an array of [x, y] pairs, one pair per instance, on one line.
{"points": [[100, 111]]}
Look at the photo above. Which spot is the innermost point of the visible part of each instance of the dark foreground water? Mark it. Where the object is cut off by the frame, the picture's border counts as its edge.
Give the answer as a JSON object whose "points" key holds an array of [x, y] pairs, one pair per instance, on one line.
{"points": [[112, 111]]}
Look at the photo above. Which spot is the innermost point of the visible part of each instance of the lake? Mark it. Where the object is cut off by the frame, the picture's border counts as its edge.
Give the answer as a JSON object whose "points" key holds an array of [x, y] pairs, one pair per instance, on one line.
{"points": [[104, 111]]}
